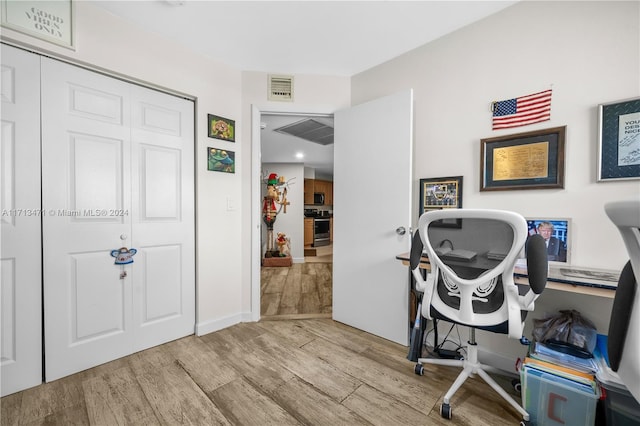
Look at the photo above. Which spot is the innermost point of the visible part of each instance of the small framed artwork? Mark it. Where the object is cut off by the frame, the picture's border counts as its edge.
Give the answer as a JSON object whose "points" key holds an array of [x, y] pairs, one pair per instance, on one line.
{"points": [[619, 140], [51, 21], [221, 128], [441, 193], [221, 160], [531, 160]]}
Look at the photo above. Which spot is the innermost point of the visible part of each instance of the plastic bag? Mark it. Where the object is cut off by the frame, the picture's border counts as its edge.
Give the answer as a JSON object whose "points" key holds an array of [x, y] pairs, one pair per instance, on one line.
{"points": [[567, 331]]}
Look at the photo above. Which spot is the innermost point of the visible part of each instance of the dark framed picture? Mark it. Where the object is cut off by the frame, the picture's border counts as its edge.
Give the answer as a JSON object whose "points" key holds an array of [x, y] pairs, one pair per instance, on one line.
{"points": [[441, 193], [531, 160], [221, 160], [221, 128], [619, 140]]}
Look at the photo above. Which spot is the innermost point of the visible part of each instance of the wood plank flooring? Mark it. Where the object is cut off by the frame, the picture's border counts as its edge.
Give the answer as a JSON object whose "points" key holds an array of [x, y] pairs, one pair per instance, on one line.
{"points": [[302, 290], [290, 372]]}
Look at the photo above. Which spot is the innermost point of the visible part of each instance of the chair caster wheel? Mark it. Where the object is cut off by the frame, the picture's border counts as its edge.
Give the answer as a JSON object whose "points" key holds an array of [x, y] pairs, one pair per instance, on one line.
{"points": [[419, 370], [517, 386], [525, 423], [445, 411]]}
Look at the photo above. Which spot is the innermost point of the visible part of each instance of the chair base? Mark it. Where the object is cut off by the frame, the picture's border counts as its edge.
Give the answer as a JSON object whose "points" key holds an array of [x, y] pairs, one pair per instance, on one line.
{"points": [[470, 366]]}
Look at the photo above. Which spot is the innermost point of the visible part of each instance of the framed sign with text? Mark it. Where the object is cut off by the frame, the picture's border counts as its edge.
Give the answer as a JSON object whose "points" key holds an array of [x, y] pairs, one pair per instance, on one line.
{"points": [[51, 21], [619, 140]]}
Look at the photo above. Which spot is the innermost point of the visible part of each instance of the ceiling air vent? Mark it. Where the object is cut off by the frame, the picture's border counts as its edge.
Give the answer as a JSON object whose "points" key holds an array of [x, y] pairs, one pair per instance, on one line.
{"points": [[309, 129], [280, 88]]}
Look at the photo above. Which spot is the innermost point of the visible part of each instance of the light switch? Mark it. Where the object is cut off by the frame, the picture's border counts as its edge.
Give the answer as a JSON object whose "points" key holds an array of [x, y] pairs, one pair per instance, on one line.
{"points": [[231, 205]]}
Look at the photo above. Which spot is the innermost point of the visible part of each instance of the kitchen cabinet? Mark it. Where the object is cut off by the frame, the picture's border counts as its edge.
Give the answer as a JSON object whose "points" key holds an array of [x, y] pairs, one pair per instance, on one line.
{"points": [[312, 186], [308, 191], [308, 231], [328, 196]]}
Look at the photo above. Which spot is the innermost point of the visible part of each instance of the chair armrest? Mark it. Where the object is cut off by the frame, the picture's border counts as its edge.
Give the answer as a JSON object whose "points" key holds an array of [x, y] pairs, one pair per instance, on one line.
{"points": [[537, 263]]}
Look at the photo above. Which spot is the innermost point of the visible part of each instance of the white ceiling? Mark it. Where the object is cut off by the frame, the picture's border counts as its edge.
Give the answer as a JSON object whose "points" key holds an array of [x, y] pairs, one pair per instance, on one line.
{"points": [[303, 37], [339, 38]]}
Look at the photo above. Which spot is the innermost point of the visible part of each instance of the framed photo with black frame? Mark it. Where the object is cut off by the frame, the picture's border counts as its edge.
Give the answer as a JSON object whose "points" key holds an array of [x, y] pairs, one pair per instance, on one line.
{"points": [[619, 140], [531, 160], [221, 128], [441, 193]]}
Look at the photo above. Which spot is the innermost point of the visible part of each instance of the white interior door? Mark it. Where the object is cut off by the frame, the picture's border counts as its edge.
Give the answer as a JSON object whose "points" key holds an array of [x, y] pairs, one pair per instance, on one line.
{"points": [[117, 172], [372, 198], [20, 269]]}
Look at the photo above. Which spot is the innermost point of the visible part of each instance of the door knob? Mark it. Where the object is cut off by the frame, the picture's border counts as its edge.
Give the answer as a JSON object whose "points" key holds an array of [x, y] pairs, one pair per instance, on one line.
{"points": [[401, 230], [123, 237]]}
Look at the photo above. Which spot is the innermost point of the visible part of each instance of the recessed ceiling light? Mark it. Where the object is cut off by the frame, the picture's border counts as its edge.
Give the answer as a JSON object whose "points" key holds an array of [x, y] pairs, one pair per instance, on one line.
{"points": [[299, 155]]}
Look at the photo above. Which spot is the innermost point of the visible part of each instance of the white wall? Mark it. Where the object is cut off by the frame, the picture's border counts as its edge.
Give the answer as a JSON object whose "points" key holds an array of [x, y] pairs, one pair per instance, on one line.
{"points": [[107, 42], [589, 53], [291, 222], [312, 94]]}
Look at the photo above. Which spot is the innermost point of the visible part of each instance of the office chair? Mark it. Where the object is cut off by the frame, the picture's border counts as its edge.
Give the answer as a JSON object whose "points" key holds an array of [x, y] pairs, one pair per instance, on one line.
{"points": [[477, 289], [624, 326]]}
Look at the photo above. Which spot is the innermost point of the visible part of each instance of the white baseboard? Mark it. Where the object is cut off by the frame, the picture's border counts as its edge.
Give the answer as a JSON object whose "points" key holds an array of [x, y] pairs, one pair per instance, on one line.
{"points": [[222, 323], [298, 260], [210, 326]]}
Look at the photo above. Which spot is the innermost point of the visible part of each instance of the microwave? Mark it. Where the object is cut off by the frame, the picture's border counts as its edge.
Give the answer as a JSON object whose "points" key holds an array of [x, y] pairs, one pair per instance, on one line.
{"points": [[318, 198]]}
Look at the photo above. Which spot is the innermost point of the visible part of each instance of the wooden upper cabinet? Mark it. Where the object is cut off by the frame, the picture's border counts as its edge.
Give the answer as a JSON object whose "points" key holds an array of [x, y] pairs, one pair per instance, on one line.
{"points": [[308, 191], [328, 196], [312, 186]]}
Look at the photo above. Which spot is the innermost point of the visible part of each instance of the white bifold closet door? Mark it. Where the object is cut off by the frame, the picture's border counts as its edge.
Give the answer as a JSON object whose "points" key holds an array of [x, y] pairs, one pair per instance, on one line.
{"points": [[117, 171], [20, 264]]}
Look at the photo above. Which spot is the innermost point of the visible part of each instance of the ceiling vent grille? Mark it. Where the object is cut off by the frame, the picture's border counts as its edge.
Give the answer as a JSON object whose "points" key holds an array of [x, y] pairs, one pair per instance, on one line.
{"points": [[310, 130], [281, 88]]}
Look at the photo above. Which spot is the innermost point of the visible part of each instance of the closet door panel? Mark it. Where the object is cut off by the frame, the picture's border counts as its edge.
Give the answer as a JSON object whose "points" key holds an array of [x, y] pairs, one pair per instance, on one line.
{"points": [[86, 182], [20, 259], [163, 217]]}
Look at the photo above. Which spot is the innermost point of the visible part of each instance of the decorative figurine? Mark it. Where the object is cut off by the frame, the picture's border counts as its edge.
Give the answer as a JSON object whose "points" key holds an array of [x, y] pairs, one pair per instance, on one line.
{"points": [[284, 245], [273, 203]]}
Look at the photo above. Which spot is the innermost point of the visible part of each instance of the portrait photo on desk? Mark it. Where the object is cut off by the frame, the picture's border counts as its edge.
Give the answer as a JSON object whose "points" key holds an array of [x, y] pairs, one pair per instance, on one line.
{"points": [[556, 233]]}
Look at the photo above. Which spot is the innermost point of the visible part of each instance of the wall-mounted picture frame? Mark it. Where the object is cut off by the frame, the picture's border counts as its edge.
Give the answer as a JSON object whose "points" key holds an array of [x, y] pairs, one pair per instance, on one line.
{"points": [[51, 21], [221, 160], [441, 193], [619, 140], [530, 160], [221, 128]]}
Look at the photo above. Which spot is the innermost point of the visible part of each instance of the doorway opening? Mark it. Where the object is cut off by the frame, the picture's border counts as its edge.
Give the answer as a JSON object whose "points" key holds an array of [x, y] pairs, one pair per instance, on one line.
{"points": [[300, 147]]}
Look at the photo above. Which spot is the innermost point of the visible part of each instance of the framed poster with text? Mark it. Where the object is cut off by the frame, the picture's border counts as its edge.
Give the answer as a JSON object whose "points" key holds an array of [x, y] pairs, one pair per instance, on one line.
{"points": [[51, 21]]}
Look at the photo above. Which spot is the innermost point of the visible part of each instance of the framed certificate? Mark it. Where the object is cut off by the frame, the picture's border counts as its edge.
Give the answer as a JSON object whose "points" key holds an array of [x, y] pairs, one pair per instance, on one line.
{"points": [[531, 160]]}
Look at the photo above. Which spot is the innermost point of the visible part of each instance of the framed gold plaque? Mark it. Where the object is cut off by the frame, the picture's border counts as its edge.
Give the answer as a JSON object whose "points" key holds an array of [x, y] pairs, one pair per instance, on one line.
{"points": [[531, 160]]}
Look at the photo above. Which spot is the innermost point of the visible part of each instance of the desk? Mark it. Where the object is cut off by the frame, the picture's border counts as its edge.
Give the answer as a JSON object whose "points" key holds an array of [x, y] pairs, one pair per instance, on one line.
{"points": [[554, 281]]}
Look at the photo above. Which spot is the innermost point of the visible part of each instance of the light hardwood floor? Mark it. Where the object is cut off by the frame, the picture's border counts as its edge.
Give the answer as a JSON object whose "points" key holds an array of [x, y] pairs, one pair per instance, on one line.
{"points": [[292, 372], [303, 290]]}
